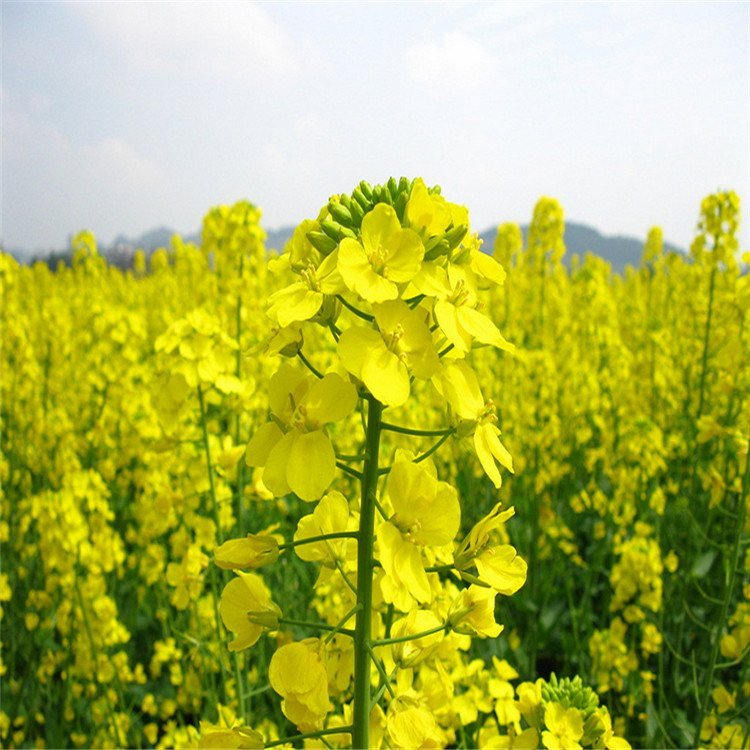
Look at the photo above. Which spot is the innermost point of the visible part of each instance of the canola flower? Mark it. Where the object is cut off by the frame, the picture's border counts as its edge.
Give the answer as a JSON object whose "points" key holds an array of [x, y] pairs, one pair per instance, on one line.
{"points": [[128, 506]]}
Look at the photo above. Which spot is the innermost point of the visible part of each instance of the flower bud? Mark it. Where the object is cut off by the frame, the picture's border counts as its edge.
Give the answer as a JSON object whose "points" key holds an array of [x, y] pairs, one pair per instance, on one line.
{"points": [[254, 551]]}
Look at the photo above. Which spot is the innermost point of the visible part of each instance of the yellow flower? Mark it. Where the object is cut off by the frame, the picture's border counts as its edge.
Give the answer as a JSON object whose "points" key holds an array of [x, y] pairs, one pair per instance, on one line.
{"points": [[295, 449], [303, 299], [500, 566], [383, 359], [331, 516], [298, 675], [412, 725], [427, 213], [385, 256], [411, 653], [254, 551], [246, 609], [458, 317], [459, 385], [426, 513], [427, 510], [404, 576], [608, 739], [473, 612], [564, 727], [239, 737]]}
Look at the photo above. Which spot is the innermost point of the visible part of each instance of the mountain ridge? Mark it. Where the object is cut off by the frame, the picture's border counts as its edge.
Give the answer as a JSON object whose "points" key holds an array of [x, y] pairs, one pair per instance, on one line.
{"points": [[619, 250]]}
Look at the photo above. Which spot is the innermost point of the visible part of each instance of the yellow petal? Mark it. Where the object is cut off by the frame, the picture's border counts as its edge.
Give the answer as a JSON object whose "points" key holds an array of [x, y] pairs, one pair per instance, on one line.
{"points": [[274, 475], [311, 466], [330, 399], [261, 444], [354, 346], [386, 377]]}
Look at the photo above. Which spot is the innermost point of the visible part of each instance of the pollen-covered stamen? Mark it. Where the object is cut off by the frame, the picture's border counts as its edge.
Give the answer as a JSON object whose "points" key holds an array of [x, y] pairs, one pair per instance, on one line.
{"points": [[378, 258], [300, 420], [391, 338], [488, 414], [460, 294], [310, 278]]}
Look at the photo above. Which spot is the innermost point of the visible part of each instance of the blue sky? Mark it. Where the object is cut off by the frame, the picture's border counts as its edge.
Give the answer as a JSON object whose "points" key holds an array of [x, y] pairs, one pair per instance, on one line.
{"points": [[120, 117]]}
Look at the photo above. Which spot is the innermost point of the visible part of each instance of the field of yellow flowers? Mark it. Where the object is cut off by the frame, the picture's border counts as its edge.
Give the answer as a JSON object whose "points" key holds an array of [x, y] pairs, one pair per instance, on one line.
{"points": [[383, 489]]}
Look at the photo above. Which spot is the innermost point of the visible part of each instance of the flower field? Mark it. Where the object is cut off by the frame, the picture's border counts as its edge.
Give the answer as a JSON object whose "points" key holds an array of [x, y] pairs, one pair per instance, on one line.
{"points": [[380, 488]]}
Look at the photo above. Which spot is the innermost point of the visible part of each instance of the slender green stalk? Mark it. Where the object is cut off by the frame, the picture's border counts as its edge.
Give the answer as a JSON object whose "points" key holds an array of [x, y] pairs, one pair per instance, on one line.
{"points": [[238, 674], [320, 538], [361, 713], [733, 566], [94, 653], [417, 433], [355, 310], [309, 365], [316, 626], [238, 426], [706, 335], [309, 736], [411, 636]]}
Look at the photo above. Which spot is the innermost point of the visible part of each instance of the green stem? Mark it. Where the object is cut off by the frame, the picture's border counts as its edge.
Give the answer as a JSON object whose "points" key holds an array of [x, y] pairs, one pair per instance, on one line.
{"points": [[417, 433], [238, 426], [706, 334], [94, 654], [411, 637], [214, 575], [317, 626], [381, 669], [361, 712], [308, 736], [310, 366], [321, 538], [209, 467], [339, 625], [733, 567], [355, 310]]}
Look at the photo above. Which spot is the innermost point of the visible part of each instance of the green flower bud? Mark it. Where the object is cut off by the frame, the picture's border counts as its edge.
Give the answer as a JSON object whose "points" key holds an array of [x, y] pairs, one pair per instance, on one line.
{"points": [[322, 242]]}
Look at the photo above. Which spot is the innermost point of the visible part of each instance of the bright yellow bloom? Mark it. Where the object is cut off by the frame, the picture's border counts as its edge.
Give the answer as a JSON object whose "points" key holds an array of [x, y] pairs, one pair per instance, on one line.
{"points": [[405, 578], [303, 300], [411, 653], [385, 256], [427, 213], [473, 612], [564, 727], [412, 725], [254, 551], [500, 566], [297, 673], [608, 739], [426, 513], [459, 385], [383, 359], [237, 737], [427, 510], [295, 449], [246, 609], [331, 516], [457, 314]]}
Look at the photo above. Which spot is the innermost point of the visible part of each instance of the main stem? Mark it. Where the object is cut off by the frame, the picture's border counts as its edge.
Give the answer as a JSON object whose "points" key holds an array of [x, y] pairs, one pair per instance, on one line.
{"points": [[360, 735]]}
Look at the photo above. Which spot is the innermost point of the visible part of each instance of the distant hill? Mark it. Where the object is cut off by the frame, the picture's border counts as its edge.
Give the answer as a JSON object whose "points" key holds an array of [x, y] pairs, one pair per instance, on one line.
{"points": [[618, 250]]}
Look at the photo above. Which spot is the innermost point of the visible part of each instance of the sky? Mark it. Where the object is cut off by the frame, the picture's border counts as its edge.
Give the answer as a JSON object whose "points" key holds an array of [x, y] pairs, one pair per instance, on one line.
{"points": [[121, 117]]}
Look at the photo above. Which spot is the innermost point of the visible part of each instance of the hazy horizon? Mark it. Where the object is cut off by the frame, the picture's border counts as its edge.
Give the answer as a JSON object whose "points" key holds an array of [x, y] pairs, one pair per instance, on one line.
{"points": [[123, 117]]}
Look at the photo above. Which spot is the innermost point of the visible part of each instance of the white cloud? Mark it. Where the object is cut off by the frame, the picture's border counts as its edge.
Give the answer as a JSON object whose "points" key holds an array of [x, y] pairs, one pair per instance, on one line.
{"points": [[199, 38], [50, 182], [455, 60]]}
